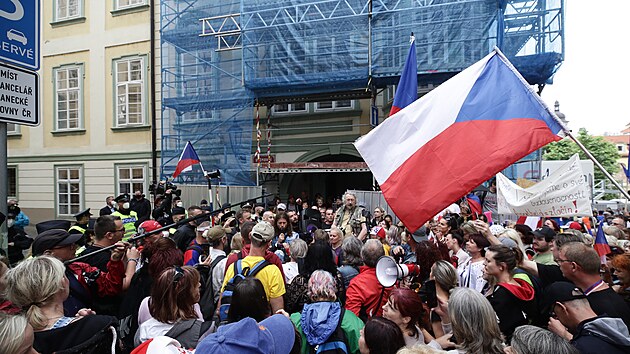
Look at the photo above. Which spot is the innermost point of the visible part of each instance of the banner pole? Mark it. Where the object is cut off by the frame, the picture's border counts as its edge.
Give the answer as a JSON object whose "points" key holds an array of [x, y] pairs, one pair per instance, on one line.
{"points": [[599, 165]]}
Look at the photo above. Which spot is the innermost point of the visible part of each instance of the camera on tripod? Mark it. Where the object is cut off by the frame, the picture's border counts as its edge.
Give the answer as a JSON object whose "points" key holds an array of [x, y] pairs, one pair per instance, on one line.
{"points": [[163, 186]]}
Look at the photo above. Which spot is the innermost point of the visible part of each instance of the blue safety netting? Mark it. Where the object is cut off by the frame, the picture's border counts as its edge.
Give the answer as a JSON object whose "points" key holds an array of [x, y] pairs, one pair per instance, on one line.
{"points": [[279, 49]]}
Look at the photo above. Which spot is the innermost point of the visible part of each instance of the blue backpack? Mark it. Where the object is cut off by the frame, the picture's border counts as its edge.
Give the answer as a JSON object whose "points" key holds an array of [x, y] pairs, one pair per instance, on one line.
{"points": [[337, 343], [239, 274]]}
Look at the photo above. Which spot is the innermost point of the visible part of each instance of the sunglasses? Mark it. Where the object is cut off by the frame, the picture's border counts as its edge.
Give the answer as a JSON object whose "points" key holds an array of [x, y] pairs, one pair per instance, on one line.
{"points": [[179, 274]]}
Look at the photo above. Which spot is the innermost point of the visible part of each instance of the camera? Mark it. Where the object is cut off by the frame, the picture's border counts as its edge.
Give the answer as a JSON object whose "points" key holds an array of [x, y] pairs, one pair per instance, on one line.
{"points": [[213, 174], [163, 186]]}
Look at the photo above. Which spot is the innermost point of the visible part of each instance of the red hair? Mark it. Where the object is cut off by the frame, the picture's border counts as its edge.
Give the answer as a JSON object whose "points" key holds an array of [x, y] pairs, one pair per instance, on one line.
{"points": [[622, 261], [163, 254], [409, 304]]}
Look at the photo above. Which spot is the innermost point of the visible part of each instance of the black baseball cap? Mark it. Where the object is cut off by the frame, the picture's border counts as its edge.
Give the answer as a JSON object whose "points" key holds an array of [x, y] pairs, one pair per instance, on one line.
{"points": [[545, 232], [562, 291]]}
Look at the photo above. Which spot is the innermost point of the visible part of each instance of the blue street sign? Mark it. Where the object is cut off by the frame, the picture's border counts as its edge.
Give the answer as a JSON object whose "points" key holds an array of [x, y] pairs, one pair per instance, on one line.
{"points": [[20, 32]]}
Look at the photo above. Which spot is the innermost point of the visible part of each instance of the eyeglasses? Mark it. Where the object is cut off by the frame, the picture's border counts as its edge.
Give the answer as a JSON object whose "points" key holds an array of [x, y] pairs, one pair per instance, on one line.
{"points": [[119, 230], [179, 274], [561, 260]]}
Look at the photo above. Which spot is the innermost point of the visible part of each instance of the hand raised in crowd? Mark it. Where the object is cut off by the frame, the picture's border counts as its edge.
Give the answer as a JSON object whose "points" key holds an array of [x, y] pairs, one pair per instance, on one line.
{"points": [[207, 261], [133, 253], [445, 341], [119, 251], [558, 328], [482, 227], [281, 238]]}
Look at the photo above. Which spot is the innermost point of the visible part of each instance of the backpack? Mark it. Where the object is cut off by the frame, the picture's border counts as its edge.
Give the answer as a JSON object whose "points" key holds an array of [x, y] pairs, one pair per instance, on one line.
{"points": [[206, 301], [240, 273], [336, 343], [200, 249]]}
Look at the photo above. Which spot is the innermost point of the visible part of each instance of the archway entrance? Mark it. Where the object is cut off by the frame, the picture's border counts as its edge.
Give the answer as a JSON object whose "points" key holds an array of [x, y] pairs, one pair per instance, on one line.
{"points": [[328, 184]]}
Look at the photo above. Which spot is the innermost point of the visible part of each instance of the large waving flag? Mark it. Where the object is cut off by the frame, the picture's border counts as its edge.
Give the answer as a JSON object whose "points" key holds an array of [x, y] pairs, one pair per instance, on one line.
{"points": [[407, 89], [456, 137], [187, 159], [626, 170], [601, 244]]}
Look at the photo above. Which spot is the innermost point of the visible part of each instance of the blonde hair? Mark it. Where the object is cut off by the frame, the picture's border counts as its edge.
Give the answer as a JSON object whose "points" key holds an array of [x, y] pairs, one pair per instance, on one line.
{"points": [[420, 349], [237, 242], [12, 332], [32, 284], [514, 236]]}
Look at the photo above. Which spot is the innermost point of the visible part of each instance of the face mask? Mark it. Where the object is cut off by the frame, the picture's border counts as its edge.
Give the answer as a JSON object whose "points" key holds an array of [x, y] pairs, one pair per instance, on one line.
{"points": [[10, 222], [113, 203], [180, 204], [126, 205], [138, 197]]}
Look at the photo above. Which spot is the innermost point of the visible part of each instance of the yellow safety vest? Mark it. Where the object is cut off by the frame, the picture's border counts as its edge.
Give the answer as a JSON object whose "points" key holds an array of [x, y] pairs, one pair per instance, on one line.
{"points": [[129, 222]]}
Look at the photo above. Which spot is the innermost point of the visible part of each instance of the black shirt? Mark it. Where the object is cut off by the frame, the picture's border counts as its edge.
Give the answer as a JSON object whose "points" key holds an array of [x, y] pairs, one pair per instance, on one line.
{"points": [[610, 303], [98, 260]]}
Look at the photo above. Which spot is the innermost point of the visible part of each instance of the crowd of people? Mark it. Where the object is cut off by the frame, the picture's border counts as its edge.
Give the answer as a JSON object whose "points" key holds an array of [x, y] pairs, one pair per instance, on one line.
{"points": [[300, 276]]}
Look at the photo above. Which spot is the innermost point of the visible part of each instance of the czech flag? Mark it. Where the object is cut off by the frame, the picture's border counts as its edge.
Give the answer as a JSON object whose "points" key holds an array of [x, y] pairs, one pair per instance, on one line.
{"points": [[533, 222], [601, 244], [474, 203], [187, 159], [456, 137], [407, 89]]}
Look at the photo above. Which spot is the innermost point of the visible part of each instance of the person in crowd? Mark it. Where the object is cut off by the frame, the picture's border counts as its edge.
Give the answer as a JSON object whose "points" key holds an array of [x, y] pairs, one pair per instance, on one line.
{"points": [[318, 257], [16, 335], [542, 245], [427, 253], [142, 207], [86, 282], [17, 240], [613, 235], [21, 219], [381, 336], [318, 322], [237, 243], [82, 220], [473, 323], [380, 233], [269, 217], [110, 206], [162, 212], [471, 273], [352, 261], [171, 308], [512, 234], [527, 236], [618, 222], [446, 224], [271, 277], [186, 233], [336, 240], [621, 267], [39, 285], [329, 219], [535, 340], [199, 247], [489, 199], [6, 306], [404, 307], [247, 243], [454, 242], [589, 333], [351, 218], [284, 235], [249, 300], [378, 214], [157, 256], [446, 279], [365, 296], [552, 224], [128, 216], [275, 334], [511, 298], [298, 251]]}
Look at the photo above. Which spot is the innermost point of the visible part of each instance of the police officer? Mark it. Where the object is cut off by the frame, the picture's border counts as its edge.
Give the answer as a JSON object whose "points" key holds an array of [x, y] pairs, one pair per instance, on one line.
{"points": [[81, 225], [128, 216]]}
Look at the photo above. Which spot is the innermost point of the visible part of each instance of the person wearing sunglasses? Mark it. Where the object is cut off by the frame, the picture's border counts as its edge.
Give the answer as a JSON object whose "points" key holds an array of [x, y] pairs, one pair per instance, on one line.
{"points": [[573, 319]]}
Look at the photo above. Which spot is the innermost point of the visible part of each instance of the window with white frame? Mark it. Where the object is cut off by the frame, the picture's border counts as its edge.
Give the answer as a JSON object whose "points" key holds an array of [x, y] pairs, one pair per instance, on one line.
{"points": [[12, 180], [130, 179], [69, 189], [289, 107], [130, 91], [69, 97], [68, 9], [330, 105], [13, 128], [123, 4]]}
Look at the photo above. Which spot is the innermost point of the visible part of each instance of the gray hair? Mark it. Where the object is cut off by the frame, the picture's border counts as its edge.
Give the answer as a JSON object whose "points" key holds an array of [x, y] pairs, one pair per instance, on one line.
{"points": [[445, 275], [474, 322], [371, 252], [349, 193], [298, 249], [33, 283], [12, 332], [534, 340], [351, 250]]}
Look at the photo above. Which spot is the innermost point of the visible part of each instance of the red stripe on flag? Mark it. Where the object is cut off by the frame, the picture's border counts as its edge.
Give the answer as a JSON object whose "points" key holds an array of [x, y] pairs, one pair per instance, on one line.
{"points": [[456, 161]]}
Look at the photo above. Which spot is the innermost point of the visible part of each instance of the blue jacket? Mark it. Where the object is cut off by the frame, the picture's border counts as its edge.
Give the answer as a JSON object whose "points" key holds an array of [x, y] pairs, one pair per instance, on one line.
{"points": [[21, 220]]}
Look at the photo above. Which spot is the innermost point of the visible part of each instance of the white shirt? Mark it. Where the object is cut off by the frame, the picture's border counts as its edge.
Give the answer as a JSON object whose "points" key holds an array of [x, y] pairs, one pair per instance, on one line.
{"points": [[290, 271], [471, 275], [218, 272]]}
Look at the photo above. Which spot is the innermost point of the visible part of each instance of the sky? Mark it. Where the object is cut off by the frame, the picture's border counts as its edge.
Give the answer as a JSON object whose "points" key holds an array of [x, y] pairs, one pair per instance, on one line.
{"points": [[592, 85]]}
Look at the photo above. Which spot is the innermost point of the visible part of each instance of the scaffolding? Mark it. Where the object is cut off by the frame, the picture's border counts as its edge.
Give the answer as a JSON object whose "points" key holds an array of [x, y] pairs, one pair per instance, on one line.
{"points": [[219, 57]]}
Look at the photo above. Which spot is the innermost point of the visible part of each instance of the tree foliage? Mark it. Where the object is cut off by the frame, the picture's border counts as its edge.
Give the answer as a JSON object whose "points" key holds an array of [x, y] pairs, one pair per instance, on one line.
{"points": [[604, 151]]}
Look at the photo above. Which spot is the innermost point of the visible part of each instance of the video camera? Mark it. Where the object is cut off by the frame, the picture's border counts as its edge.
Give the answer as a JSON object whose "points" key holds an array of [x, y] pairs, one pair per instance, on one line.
{"points": [[162, 186]]}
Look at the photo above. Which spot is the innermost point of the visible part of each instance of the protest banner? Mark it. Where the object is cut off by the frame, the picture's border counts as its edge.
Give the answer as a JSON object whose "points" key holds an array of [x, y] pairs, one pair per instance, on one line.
{"points": [[564, 193]]}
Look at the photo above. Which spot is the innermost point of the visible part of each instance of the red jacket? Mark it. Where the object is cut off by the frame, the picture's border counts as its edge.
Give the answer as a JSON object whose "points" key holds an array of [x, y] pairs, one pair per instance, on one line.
{"points": [[364, 292], [269, 257], [108, 283]]}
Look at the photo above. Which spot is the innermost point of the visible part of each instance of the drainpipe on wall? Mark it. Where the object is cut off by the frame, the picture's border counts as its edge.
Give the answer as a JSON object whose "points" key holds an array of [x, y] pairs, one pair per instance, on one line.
{"points": [[154, 168]]}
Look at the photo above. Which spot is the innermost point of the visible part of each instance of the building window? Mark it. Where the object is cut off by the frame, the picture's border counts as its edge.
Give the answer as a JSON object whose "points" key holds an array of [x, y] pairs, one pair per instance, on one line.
{"points": [[68, 9], [69, 98], [123, 4], [69, 190], [13, 129], [619, 148], [130, 91], [289, 107], [131, 179], [332, 105], [12, 179]]}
